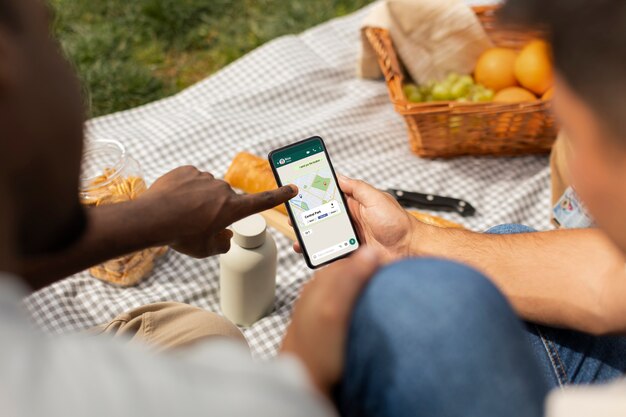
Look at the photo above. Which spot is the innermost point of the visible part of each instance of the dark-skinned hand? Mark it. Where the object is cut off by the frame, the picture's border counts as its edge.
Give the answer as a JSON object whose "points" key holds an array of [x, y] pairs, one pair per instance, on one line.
{"points": [[194, 209]]}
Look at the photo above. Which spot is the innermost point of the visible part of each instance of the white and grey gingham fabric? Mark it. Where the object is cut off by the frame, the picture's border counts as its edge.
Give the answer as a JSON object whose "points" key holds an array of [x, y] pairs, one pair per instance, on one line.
{"points": [[289, 89]]}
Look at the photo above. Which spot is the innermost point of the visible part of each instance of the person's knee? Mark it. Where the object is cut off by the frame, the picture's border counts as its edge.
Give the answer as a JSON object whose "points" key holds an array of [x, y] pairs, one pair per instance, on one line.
{"points": [[424, 327], [167, 326], [184, 325]]}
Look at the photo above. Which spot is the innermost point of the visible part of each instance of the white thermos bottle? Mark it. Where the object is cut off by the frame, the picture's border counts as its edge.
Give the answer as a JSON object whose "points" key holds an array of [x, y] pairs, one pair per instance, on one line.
{"points": [[248, 272]]}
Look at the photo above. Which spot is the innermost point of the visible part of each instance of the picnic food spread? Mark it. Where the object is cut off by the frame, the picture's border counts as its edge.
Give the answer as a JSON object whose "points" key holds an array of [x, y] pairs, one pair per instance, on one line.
{"points": [[116, 184], [363, 133], [253, 174], [446, 86], [513, 77], [441, 42]]}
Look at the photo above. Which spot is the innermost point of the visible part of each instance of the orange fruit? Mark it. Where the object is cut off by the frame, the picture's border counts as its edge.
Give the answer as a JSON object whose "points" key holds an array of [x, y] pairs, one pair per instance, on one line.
{"points": [[513, 95], [533, 67], [495, 68], [548, 94]]}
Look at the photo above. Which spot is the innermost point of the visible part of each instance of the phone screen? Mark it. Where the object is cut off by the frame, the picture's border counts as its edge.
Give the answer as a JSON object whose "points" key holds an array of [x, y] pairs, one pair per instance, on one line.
{"points": [[318, 212]]}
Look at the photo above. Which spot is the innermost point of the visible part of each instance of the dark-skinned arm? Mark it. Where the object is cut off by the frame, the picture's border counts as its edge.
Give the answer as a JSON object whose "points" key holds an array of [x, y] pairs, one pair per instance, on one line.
{"points": [[186, 208], [112, 231]]}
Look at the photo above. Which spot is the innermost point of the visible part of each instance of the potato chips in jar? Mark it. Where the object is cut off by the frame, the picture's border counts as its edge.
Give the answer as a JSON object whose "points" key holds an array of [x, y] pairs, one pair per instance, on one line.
{"points": [[109, 175]]}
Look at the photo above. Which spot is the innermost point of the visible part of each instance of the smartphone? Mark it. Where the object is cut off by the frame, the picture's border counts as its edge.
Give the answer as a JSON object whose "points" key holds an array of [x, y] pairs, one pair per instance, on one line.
{"points": [[319, 212]]}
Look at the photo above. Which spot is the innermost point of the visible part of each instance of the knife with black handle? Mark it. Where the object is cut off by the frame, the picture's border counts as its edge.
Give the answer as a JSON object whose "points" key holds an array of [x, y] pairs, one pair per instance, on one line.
{"points": [[432, 202]]}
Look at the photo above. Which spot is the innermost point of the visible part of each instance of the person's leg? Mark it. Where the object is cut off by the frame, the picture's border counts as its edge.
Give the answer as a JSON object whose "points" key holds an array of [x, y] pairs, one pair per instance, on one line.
{"points": [[570, 357], [166, 326], [435, 338]]}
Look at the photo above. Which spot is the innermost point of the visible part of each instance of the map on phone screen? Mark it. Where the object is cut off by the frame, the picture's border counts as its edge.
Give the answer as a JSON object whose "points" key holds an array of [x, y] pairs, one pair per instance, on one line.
{"points": [[318, 208]]}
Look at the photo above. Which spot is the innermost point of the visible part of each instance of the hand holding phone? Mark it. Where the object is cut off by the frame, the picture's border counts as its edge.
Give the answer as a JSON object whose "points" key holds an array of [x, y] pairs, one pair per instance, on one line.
{"points": [[319, 212]]}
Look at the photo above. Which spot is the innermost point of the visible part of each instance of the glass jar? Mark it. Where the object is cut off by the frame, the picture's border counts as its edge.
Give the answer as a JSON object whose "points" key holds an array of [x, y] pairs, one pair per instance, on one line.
{"points": [[110, 175], [106, 166]]}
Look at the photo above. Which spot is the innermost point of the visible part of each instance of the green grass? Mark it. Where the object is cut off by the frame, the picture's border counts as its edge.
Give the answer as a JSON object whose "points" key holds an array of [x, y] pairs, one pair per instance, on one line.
{"points": [[131, 52]]}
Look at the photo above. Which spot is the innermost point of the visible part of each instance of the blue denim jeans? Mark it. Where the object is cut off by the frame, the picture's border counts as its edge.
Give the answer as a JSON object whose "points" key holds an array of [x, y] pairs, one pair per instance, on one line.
{"points": [[430, 337]]}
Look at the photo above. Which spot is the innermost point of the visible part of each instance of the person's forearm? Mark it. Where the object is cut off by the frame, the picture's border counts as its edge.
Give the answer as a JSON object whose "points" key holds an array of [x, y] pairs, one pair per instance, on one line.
{"points": [[560, 278], [112, 230]]}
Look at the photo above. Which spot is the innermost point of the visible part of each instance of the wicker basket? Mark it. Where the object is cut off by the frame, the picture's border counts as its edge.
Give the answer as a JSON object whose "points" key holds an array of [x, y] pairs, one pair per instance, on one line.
{"points": [[447, 129]]}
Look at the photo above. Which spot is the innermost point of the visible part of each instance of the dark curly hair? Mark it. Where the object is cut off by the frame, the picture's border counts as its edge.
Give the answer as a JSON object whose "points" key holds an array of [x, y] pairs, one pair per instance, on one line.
{"points": [[589, 46]]}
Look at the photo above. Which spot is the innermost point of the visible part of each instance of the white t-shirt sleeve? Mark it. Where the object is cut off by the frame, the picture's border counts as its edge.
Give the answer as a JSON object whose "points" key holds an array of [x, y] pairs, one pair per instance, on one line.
{"points": [[95, 376]]}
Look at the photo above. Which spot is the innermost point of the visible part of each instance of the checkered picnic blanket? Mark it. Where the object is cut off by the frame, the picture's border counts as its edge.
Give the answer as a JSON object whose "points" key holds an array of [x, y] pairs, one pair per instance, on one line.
{"points": [[289, 89]]}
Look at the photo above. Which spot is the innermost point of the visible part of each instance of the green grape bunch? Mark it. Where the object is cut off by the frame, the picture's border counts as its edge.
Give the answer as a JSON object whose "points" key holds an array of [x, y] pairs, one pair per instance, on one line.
{"points": [[455, 87]]}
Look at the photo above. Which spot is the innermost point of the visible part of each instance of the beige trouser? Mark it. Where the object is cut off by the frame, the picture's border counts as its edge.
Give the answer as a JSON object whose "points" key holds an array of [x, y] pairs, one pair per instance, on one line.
{"points": [[166, 326]]}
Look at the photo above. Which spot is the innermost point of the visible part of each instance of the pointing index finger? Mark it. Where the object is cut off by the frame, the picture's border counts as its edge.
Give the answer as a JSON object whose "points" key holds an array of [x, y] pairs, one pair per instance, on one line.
{"points": [[248, 204]]}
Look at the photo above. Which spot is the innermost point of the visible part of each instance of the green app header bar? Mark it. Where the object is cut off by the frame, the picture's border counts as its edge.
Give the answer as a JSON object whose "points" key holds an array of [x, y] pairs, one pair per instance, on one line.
{"points": [[296, 153]]}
